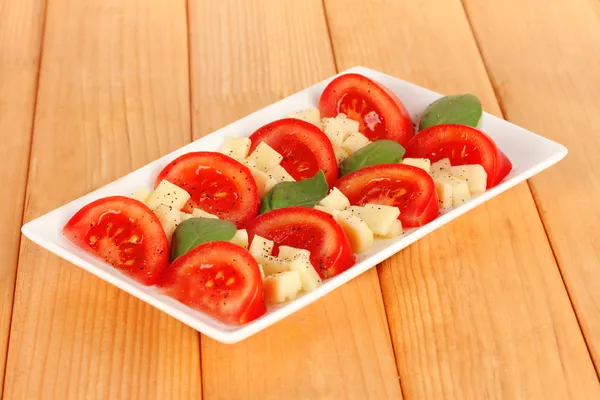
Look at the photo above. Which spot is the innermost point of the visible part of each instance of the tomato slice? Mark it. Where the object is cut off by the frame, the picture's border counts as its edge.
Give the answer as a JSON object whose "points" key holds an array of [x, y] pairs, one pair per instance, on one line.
{"points": [[462, 145], [216, 183], [219, 278], [404, 186], [380, 113], [304, 147], [125, 233], [310, 229]]}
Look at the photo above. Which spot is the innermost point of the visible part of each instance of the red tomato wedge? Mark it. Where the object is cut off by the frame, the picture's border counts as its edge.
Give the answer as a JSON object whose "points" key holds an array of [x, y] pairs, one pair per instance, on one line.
{"points": [[125, 233], [462, 145], [304, 147], [216, 183], [380, 113], [219, 278], [404, 186], [310, 229]]}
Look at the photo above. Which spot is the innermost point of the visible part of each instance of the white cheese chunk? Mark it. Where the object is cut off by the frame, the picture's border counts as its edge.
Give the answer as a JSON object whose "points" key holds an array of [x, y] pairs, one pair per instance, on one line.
{"points": [[340, 154], [328, 210], [280, 174], [237, 148], [357, 230], [474, 175], [198, 213], [240, 238], [265, 157], [272, 265], [354, 142], [444, 193], [309, 277], [379, 218], [168, 194], [142, 195], [335, 199], [281, 287], [422, 163], [349, 125], [310, 115], [169, 218], [289, 253], [335, 130], [460, 188], [261, 246], [439, 166], [395, 230]]}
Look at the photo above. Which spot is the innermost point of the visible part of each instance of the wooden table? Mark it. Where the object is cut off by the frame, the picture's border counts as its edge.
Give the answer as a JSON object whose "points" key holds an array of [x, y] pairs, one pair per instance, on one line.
{"points": [[90, 90]]}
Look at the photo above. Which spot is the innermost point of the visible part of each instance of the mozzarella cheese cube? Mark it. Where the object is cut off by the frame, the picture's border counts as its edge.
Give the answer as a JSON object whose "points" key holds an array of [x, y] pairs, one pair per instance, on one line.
{"points": [[340, 154], [354, 142], [240, 238], [270, 184], [357, 230], [350, 126], [261, 246], [265, 157], [281, 287], [237, 148], [309, 277], [328, 210], [289, 253], [460, 188], [439, 166], [272, 265], [169, 218], [185, 216], [474, 175], [335, 130], [311, 115], [198, 213], [444, 193], [261, 178], [335, 199], [142, 195], [395, 230], [168, 194], [422, 163], [280, 174], [379, 218]]}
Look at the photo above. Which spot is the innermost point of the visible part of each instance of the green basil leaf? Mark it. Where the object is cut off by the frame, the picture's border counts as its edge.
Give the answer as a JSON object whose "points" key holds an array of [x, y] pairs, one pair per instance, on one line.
{"points": [[379, 152], [462, 109], [195, 231], [305, 193]]}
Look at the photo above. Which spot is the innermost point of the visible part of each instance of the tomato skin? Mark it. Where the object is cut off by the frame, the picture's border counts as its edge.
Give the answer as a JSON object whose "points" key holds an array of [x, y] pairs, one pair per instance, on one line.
{"points": [[404, 186], [201, 278], [104, 228], [310, 229], [381, 115], [304, 147], [206, 176], [462, 145]]}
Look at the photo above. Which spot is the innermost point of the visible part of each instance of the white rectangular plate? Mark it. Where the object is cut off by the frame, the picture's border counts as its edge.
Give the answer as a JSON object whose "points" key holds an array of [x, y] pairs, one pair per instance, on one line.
{"points": [[529, 153]]}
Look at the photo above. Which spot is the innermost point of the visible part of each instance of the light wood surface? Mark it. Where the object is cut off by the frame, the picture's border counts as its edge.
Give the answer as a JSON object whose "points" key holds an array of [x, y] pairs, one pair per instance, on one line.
{"points": [[323, 351], [21, 25], [107, 103], [546, 71], [461, 314], [458, 301]]}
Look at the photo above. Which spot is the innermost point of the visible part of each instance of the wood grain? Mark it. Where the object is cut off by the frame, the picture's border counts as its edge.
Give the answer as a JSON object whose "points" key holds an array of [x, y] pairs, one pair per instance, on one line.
{"points": [[244, 58], [477, 309], [21, 24], [113, 95], [545, 71]]}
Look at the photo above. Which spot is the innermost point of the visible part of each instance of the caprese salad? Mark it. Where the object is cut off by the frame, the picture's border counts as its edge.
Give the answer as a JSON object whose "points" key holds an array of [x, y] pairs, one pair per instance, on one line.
{"points": [[274, 214]]}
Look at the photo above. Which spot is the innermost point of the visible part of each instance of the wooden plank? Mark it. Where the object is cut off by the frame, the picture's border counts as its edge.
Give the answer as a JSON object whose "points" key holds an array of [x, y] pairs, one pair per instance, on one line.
{"points": [[243, 59], [21, 25], [478, 308], [545, 70], [113, 95]]}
